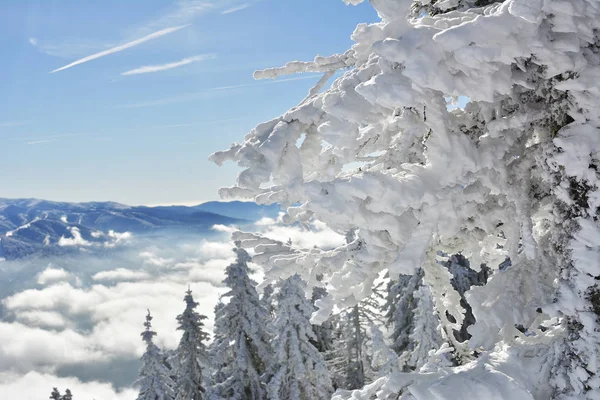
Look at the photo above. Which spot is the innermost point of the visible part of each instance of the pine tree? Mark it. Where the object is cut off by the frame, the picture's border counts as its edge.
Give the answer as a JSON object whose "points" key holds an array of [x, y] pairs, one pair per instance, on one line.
{"points": [[268, 299], [55, 395], [241, 351], [298, 369], [191, 357], [399, 308], [384, 360], [154, 377], [324, 333], [350, 359], [68, 395]]}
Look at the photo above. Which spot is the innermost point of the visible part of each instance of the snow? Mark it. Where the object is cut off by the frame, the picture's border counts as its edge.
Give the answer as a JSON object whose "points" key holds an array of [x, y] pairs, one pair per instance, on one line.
{"points": [[511, 176]]}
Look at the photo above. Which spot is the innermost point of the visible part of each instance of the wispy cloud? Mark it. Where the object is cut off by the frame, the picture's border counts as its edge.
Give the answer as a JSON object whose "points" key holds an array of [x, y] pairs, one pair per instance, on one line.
{"points": [[9, 124], [33, 41], [122, 47], [181, 13], [163, 67], [234, 9], [195, 95], [40, 141]]}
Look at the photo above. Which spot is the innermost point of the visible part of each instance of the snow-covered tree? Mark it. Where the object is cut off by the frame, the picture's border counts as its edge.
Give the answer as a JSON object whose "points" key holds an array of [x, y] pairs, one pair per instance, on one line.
{"points": [[268, 299], [350, 359], [298, 370], [154, 377], [511, 175], [410, 314], [191, 356], [384, 360], [324, 333], [241, 349], [68, 395], [399, 308]]}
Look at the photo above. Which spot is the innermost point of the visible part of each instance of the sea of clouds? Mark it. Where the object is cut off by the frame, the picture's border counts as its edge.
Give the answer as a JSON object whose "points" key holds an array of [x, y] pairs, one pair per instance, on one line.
{"points": [[75, 320]]}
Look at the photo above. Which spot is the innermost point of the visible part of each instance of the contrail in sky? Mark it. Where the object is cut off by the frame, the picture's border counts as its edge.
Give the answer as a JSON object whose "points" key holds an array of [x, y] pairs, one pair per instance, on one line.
{"points": [[122, 47]]}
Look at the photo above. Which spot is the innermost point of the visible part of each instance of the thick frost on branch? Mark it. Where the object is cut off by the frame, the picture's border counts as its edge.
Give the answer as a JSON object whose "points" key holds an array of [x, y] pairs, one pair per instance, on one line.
{"points": [[510, 181]]}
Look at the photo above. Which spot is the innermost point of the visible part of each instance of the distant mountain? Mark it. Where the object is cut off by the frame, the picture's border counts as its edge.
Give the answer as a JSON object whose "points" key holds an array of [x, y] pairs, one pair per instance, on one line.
{"points": [[31, 226], [240, 209]]}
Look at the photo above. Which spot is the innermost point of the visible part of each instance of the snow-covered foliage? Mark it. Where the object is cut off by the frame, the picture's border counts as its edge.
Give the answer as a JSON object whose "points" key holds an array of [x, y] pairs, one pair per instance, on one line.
{"points": [[298, 369], [154, 378], [190, 357], [241, 350], [410, 314], [511, 176]]}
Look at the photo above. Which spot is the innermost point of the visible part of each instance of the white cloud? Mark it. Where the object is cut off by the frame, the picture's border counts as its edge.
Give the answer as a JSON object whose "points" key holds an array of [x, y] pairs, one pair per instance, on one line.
{"points": [[163, 67], [52, 275], [225, 228], [35, 386], [266, 221], [76, 240], [42, 319], [115, 314], [120, 274], [122, 47], [212, 250], [117, 238], [33, 41], [234, 9], [52, 328]]}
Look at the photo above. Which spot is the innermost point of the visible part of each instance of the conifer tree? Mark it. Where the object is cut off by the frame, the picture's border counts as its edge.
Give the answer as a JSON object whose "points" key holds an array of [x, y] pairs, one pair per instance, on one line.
{"points": [[68, 395], [154, 377], [240, 351], [350, 359], [298, 370], [324, 333], [55, 395], [268, 299], [384, 360], [191, 357]]}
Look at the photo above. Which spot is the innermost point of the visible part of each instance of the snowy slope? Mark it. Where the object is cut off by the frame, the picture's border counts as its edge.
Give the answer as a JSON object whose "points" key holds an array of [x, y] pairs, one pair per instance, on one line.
{"points": [[29, 226]]}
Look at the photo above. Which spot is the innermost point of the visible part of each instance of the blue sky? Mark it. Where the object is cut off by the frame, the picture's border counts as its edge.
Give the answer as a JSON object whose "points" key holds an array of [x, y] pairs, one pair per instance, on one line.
{"points": [[109, 129]]}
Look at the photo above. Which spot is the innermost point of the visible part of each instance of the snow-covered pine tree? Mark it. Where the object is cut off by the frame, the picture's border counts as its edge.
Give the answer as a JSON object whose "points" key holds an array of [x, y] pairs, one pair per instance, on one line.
{"points": [[191, 356], [268, 299], [410, 314], [241, 348], [384, 360], [298, 370], [399, 308], [324, 333], [514, 173], [154, 377], [350, 359]]}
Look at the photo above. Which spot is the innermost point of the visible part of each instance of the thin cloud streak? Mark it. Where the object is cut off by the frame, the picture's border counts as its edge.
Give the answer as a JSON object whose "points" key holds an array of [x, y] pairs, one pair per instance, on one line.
{"points": [[195, 95], [238, 8], [9, 124], [40, 142], [122, 47], [163, 67]]}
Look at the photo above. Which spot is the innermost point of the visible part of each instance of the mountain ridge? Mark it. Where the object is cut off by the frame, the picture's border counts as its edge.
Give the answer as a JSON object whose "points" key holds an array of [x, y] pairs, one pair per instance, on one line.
{"points": [[36, 226]]}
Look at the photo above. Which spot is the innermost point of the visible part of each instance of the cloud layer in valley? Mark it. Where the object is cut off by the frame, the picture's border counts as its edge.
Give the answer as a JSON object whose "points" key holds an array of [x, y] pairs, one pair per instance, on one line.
{"points": [[75, 320]]}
